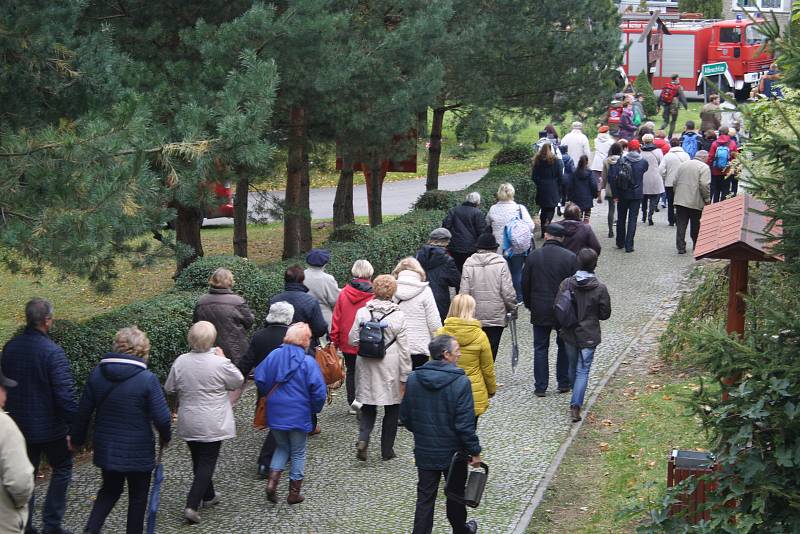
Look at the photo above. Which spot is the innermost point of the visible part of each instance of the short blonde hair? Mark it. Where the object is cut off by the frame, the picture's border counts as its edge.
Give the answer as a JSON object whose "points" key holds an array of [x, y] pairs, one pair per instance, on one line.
{"points": [[409, 264], [222, 278], [463, 307], [201, 336], [647, 138], [133, 341], [505, 192], [298, 334], [384, 287], [362, 269]]}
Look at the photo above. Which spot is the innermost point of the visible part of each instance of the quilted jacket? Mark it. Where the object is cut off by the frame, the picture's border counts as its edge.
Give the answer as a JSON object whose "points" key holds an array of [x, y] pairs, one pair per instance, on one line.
{"points": [[231, 316]]}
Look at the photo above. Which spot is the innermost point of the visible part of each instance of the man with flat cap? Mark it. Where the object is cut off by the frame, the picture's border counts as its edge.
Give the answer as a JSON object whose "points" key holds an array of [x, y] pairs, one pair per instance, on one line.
{"points": [[320, 284], [545, 268]]}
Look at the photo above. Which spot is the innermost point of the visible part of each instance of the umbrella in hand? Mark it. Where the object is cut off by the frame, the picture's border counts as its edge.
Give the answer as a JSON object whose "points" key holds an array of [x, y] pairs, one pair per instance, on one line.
{"points": [[155, 493], [511, 317]]}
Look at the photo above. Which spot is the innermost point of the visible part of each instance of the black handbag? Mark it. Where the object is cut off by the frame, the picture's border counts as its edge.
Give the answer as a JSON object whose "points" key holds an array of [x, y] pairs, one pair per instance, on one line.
{"points": [[471, 493]]}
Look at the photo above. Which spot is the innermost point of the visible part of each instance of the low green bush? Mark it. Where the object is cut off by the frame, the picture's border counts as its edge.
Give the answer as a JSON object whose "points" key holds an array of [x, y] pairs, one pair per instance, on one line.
{"points": [[350, 233], [437, 200], [516, 153]]}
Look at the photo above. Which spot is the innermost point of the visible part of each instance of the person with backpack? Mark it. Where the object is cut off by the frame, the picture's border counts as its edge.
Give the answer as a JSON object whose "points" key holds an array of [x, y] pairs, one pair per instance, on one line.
{"points": [[582, 188], [653, 184], [670, 99], [692, 194], [127, 402], [440, 268], [637, 108], [465, 223], [415, 298], [627, 178], [614, 154], [710, 114], [512, 228], [690, 140], [567, 169], [380, 334], [720, 155], [548, 176], [591, 304], [668, 167]]}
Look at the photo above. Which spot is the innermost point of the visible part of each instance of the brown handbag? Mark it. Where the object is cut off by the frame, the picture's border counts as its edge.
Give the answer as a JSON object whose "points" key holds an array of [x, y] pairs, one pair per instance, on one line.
{"points": [[331, 365], [260, 417]]}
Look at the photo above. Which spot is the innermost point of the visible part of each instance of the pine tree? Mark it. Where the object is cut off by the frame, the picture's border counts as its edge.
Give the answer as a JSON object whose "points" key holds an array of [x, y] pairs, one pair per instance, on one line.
{"points": [[642, 85]]}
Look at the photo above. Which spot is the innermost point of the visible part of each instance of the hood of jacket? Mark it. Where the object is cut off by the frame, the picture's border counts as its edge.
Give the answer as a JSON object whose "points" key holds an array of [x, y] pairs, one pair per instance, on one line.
{"points": [[585, 281], [288, 359], [723, 139], [467, 331], [437, 374], [570, 227], [118, 367], [220, 291], [634, 156], [362, 284], [409, 285], [603, 138], [484, 259], [675, 149], [613, 159], [431, 257], [469, 204], [381, 306], [295, 286], [357, 292], [649, 147], [690, 133]]}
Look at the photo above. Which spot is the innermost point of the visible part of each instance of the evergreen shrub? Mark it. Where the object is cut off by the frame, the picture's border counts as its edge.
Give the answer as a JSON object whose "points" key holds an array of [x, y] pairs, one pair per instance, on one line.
{"points": [[516, 153], [650, 104]]}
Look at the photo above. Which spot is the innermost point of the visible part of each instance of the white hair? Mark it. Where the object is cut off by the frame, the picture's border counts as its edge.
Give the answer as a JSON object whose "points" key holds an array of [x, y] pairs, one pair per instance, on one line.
{"points": [[280, 313], [474, 198], [362, 269]]}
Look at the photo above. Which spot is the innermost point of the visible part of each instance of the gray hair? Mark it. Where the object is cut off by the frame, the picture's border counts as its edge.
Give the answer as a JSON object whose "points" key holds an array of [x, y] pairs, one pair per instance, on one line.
{"points": [[280, 313], [201, 336], [37, 311], [362, 269], [701, 155], [439, 345], [474, 198]]}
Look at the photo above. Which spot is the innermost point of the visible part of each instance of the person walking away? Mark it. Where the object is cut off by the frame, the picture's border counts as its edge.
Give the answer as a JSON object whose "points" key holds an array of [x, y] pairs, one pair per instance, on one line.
{"points": [[670, 99], [320, 284], [415, 299], [43, 406], [201, 380], [127, 402], [355, 295], [692, 193], [592, 305], [627, 178], [660, 140], [440, 268], [487, 279], [582, 189], [548, 177], [722, 152], [545, 268], [577, 234], [16, 471], [268, 338], [710, 114], [381, 381], [637, 108], [707, 140], [602, 144], [510, 221], [476, 353], [730, 116], [690, 140], [306, 307], [668, 167], [653, 183], [465, 223], [627, 130], [438, 409], [577, 143], [295, 389], [614, 154], [567, 165]]}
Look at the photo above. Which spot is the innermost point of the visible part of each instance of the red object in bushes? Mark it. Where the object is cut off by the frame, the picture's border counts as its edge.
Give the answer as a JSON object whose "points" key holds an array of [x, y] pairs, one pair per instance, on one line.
{"points": [[224, 201], [684, 465]]}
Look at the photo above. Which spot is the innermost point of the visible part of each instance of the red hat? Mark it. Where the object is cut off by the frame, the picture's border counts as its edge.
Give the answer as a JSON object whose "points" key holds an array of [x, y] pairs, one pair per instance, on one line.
{"points": [[634, 144], [603, 129]]}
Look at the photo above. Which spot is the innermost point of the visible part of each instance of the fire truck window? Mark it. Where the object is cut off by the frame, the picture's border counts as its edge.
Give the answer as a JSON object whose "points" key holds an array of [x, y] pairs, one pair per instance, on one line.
{"points": [[753, 36], [730, 35]]}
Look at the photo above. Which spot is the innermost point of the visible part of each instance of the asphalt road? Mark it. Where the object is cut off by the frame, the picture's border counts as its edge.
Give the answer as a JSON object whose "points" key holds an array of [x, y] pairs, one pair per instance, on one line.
{"points": [[397, 197]]}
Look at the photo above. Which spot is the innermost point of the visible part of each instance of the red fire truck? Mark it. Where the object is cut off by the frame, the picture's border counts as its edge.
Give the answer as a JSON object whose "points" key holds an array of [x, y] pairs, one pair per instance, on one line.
{"points": [[694, 43]]}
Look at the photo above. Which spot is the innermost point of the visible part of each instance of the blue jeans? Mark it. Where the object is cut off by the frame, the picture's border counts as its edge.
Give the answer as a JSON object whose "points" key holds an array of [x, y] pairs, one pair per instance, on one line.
{"points": [[290, 444], [541, 362], [55, 503], [515, 265], [627, 212], [580, 363]]}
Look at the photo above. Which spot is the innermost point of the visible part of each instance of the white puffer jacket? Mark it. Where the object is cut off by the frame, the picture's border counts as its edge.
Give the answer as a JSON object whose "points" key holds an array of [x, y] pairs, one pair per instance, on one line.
{"points": [[416, 301], [602, 143]]}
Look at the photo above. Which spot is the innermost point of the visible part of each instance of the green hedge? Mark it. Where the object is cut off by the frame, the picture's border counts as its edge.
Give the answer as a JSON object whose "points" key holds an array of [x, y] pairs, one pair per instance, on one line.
{"points": [[513, 154], [166, 318]]}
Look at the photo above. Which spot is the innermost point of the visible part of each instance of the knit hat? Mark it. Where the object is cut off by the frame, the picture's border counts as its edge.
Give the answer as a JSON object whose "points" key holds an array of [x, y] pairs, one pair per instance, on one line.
{"points": [[486, 241], [634, 144], [440, 234], [603, 129], [318, 257], [555, 230]]}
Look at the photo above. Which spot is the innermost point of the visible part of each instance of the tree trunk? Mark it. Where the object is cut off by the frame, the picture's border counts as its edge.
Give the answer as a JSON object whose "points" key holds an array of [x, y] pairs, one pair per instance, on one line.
{"points": [[240, 215], [343, 202], [374, 178], [187, 235], [435, 150], [305, 203], [294, 178]]}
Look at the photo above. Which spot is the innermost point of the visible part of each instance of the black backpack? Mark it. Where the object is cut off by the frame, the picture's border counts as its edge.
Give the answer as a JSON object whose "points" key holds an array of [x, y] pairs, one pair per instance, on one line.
{"points": [[622, 177], [566, 307], [371, 343]]}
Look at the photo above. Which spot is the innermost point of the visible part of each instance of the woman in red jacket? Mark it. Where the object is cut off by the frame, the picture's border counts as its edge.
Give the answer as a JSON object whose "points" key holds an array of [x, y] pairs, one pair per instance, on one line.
{"points": [[353, 297]]}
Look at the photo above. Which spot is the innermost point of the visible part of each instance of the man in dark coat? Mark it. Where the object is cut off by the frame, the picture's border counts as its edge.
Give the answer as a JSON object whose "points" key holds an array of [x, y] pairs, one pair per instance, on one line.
{"points": [[306, 307], [628, 200], [465, 222], [545, 268], [43, 405], [440, 268], [577, 234], [438, 409]]}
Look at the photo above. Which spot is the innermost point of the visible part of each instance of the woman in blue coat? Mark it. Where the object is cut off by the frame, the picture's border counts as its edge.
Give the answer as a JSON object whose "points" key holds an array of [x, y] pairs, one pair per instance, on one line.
{"points": [[582, 188], [127, 401], [294, 389]]}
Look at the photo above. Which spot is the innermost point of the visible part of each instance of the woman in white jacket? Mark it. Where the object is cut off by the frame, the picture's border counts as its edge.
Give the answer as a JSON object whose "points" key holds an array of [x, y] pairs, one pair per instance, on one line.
{"points": [[602, 143], [500, 214], [417, 303]]}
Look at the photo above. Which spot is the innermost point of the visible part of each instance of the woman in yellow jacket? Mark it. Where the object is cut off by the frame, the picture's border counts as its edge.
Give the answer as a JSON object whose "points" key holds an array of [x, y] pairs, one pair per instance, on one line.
{"points": [[476, 353]]}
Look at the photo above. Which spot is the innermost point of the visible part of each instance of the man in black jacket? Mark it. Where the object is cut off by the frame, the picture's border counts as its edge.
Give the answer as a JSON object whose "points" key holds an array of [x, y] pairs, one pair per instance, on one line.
{"points": [[306, 307], [545, 268], [465, 222], [440, 268]]}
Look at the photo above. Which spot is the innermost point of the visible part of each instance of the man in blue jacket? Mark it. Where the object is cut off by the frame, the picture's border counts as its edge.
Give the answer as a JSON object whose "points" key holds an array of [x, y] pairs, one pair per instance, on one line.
{"points": [[438, 409], [43, 405]]}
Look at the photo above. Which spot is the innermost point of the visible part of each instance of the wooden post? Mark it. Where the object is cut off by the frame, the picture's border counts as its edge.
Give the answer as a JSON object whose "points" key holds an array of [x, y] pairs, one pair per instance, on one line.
{"points": [[736, 289]]}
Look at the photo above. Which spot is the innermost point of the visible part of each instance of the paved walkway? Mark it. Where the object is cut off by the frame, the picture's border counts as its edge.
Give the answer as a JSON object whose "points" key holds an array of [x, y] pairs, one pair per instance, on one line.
{"points": [[520, 433]]}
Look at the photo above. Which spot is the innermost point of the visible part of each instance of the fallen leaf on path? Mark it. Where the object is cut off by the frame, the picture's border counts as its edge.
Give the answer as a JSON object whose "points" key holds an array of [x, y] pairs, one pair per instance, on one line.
{"points": [[603, 446], [607, 422], [667, 397]]}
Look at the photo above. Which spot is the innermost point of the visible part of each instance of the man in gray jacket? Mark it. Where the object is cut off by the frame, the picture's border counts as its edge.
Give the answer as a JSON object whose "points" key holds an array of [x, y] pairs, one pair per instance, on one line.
{"points": [[16, 471], [692, 192]]}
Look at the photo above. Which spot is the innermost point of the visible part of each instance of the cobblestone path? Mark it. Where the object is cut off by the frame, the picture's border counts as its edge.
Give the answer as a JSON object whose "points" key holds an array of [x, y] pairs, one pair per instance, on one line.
{"points": [[520, 433]]}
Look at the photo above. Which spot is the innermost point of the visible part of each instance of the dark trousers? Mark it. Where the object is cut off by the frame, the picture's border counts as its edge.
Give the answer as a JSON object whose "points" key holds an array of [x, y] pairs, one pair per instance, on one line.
{"points": [[110, 492], [670, 205], [350, 377], [55, 503], [267, 450], [612, 208], [541, 359], [369, 413], [545, 216], [734, 186], [627, 212], [418, 359], [649, 205], [684, 217], [720, 188], [459, 258], [670, 119], [427, 489], [204, 461], [494, 333]]}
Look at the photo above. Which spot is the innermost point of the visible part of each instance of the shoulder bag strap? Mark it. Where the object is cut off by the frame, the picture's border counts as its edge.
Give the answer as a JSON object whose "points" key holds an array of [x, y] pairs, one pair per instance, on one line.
{"points": [[114, 387]]}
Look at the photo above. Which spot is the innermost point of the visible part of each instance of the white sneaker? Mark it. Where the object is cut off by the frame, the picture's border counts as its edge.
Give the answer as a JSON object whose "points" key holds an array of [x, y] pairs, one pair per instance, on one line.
{"points": [[352, 411], [191, 516]]}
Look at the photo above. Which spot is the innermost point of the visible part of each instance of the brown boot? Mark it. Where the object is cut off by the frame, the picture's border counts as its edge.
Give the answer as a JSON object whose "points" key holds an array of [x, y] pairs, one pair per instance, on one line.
{"points": [[294, 496], [272, 485], [575, 412]]}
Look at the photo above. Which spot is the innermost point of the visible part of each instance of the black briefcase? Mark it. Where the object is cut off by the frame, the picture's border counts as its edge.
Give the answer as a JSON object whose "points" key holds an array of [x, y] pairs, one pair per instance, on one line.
{"points": [[475, 483]]}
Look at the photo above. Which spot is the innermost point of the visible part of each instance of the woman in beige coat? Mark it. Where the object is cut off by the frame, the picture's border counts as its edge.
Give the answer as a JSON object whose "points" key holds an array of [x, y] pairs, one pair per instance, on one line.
{"points": [[416, 301], [381, 381], [487, 279], [16, 472]]}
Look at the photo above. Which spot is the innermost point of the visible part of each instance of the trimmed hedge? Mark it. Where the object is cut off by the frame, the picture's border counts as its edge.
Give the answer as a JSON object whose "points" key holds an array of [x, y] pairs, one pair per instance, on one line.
{"points": [[166, 318], [513, 154]]}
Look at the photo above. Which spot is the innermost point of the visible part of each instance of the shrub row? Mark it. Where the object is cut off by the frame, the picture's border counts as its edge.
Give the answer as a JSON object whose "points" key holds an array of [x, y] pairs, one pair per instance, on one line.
{"points": [[167, 317]]}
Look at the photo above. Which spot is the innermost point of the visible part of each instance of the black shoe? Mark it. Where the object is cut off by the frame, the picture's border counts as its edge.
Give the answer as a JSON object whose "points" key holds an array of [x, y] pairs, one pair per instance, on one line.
{"points": [[263, 471], [389, 456], [471, 526], [628, 250], [619, 246], [361, 451], [650, 222], [672, 224], [682, 251], [539, 393], [656, 209], [610, 233], [564, 390]]}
